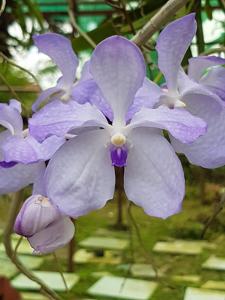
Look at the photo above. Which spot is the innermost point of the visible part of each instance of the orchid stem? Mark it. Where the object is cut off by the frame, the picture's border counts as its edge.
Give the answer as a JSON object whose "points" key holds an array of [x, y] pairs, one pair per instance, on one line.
{"points": [[71, 251], [157, 21], [79, 30], [60, 272], [19, 67], [16, 202], [145, 251], [17, 245]]}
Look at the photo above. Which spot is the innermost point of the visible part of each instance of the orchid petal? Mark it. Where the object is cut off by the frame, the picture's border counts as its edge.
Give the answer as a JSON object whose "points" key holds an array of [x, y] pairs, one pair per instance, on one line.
{"points": [[58, 118], [85, 73], [19, 176], [39, 183], [171, 46], [88, 91], [118, 68], [197, 65], [10, 118], [28, 150], [60, 50], [214, 80], [189, 87], [153, 177], [207, 151], [45, 97], [53, 237], [147, 96], [179, 122], [16, 105], [80, 176]]}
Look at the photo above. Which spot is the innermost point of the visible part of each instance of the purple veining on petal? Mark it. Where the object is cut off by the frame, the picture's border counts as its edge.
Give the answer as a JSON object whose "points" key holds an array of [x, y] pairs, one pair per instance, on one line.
{"points": [[6, 165], [119, 156]]}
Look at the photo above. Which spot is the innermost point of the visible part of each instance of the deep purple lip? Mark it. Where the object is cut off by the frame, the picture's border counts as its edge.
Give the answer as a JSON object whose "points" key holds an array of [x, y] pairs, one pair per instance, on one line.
{"points": [[119, 156], [6, 165]]}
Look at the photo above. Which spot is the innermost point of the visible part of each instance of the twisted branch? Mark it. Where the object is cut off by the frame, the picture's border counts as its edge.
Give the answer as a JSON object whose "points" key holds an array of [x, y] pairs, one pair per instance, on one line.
{"points": [[157, 21]]}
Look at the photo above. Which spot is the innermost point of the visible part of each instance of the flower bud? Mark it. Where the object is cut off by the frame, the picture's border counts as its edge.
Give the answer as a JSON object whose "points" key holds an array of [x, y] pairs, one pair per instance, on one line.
{"points": [[36, 214], [54, 236], [43, 225]]}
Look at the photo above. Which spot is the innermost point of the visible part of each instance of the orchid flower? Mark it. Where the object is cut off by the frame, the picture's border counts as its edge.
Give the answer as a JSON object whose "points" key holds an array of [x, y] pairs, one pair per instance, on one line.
{"points": [[43, 225], [183, 92], [14, 176], [17, 145], [215, 77], [59, 49], [80, 176], [21, 156]]}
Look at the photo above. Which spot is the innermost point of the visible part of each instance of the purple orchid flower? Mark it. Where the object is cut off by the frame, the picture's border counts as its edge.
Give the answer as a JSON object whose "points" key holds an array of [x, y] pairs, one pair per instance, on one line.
{"points": [[215, 77], [190, 93], [44, 226], [59, 49], [17, 145], [21, 156], [80, 176], [14, 176]]}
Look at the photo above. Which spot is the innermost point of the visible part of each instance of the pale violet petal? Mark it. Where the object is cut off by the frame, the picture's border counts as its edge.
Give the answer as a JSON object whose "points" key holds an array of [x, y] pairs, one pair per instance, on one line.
{"points": [[88, 92], [58, 118], [10, 118], [80, 176], [187, 86], [45, 97], [208, 150], [28, 150], [117, 66], [60, 50], [179, 122], [147, 96], [171, 46], [214, 80], [154, 177], [53, 237], [19, 176], [199, 64]]}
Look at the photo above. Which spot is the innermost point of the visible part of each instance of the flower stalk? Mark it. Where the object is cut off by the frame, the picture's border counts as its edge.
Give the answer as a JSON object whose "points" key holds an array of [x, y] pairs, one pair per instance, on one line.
{"points": [[16, 203]]}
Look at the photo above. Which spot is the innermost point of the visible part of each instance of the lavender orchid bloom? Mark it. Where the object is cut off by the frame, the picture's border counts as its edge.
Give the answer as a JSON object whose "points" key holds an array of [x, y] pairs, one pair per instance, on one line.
{"points": [[215, 77], [17, 145], [14, 176], [80, 176], [84, 91], [44, 226], [21, 156], [59, 49], [209, 150]]}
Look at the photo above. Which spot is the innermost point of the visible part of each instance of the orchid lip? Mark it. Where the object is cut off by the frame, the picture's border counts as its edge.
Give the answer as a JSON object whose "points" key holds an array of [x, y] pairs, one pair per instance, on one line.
{"points": [[7, 165], [119, 156]]}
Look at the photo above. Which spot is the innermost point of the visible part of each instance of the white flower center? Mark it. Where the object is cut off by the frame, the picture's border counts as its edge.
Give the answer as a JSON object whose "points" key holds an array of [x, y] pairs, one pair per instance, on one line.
{"points": [[118, 139], [171, 100]]}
